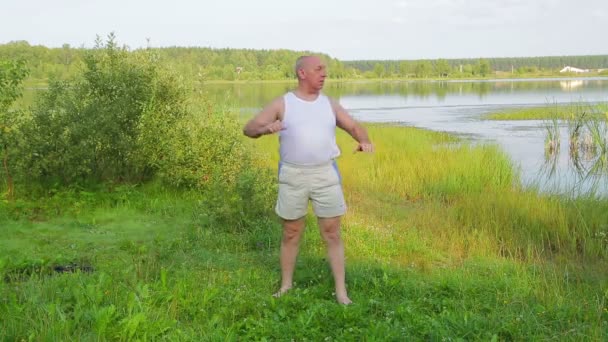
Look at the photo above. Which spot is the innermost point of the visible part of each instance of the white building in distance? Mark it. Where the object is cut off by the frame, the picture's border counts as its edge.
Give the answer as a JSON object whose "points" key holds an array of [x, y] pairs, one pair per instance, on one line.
{"points": [[573, 69]]}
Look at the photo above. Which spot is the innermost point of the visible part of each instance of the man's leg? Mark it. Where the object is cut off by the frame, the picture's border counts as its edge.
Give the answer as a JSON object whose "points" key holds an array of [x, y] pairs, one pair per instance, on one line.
{"points": [[330, 231], [292, 231]]}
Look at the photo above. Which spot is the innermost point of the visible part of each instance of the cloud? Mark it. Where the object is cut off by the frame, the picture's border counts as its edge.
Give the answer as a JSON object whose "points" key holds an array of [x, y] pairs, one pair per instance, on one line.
{"points": [[400, 4], [599, 13]]}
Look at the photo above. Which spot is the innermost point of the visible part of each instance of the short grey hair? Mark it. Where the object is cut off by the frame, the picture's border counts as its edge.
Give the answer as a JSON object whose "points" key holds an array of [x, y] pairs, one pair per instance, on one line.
{"points": [[299, 64]]}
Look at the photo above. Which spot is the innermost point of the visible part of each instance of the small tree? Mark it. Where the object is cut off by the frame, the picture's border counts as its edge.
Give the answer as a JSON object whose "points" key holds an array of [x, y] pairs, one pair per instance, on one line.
{"points": [[379, 70], [483, 67], [404, 68], [423, 69], [12, 74], [107, 124], [442, 68]]}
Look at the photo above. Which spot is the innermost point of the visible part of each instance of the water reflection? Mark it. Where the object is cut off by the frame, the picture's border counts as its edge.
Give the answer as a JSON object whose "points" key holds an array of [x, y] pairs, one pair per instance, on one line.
{"points": [[432, 93], [571, 84], [458, 107], [585, 134]]}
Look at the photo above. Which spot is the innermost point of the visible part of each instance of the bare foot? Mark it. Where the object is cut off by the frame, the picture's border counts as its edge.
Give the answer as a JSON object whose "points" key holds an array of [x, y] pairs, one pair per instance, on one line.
{"points": [[344, 300], [281, 292]]}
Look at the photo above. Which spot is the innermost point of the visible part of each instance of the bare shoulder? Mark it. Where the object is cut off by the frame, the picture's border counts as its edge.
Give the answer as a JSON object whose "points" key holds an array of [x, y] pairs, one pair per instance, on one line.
{"points": [[335, 104], [343, 118], [277, 105], [278, 101], [338, 109], [273, 110]]}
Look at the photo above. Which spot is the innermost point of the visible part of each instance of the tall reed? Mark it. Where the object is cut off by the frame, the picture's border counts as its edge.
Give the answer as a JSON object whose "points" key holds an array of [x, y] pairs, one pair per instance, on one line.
{"points": [[468, 194]]}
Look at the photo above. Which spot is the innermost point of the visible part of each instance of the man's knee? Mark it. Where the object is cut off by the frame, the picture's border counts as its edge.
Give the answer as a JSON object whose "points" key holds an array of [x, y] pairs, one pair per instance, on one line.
{"points": [[330, 229], [331, 237], [292, 229]]}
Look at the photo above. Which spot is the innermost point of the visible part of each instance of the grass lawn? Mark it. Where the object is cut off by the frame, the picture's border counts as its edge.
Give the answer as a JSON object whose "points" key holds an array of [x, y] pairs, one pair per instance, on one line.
{"points": [[441, 244]]}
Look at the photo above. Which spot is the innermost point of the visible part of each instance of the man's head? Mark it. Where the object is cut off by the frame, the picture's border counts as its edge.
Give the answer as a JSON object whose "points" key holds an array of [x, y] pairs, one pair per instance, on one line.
{"points": [[311, 72]]}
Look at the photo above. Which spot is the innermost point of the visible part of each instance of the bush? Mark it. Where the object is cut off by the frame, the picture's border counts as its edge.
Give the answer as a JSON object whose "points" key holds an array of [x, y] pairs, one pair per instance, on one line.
{"points": [[125, 119], [106, 124], [12, 74], [206, 152], [202, 148], [241, 206]]}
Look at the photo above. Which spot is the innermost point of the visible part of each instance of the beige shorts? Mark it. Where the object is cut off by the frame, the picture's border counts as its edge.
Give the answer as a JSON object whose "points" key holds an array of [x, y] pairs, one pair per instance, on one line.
{"points": [[319, 184]]}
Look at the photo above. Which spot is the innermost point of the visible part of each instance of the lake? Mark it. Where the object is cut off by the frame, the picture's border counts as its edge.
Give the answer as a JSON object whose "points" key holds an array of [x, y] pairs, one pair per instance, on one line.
{"points": [[458, 107]]}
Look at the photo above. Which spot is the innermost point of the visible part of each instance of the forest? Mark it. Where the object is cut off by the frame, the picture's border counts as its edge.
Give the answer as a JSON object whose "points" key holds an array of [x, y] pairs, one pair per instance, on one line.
{"points": [[211, 64], [134, 209]]}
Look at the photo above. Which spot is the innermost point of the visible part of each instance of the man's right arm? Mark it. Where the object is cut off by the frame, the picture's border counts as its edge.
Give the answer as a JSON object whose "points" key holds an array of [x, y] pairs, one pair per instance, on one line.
{"points": [[267, 121]]}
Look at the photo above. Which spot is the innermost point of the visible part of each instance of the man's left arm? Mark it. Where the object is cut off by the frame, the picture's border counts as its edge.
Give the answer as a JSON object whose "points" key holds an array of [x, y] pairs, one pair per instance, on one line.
{"points": [[352, 127]]}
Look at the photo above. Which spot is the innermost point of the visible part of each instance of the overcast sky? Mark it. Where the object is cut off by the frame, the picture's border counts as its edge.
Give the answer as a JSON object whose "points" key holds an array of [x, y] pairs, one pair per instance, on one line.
{"points": [[346, 29]]}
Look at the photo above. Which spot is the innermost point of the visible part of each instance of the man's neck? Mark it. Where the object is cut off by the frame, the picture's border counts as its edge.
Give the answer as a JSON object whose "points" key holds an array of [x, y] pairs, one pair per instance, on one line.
{"points": [[307, 94]]}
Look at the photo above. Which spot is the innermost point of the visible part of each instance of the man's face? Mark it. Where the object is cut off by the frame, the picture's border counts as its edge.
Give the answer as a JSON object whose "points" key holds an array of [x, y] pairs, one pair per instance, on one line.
{"points": [[314, 72]]}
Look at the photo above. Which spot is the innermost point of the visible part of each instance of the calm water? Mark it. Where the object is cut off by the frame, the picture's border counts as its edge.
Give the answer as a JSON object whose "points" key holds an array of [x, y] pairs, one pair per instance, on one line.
{"points": [[458, 107]]}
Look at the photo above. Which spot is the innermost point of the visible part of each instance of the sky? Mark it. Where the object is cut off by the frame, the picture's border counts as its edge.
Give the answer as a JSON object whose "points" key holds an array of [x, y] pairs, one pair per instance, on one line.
{"points": [[344, 29]]}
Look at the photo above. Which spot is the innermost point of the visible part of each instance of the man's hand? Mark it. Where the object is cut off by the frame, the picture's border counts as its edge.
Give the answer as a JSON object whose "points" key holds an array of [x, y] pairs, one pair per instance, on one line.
{"points": [[365, 147], [352, 127], [274, 127], [260, 125]]}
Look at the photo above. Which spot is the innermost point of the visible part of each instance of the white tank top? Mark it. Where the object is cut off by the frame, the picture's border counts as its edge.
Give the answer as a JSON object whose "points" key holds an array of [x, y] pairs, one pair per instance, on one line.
{"points": [[309, 134]]}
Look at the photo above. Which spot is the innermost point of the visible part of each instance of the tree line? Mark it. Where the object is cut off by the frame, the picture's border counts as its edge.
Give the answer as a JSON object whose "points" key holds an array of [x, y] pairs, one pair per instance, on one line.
{"points": [[203, 64], [125, 118], [477, 66]]}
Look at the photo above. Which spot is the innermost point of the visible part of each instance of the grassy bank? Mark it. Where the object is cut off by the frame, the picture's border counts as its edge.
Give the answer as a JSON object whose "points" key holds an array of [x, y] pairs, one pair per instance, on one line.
{"points": [[552, 112], [441, 243], [43, 82], [533, 113]]}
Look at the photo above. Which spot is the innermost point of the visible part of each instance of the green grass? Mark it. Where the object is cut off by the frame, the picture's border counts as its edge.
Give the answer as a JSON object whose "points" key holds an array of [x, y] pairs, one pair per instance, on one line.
{"points": [[533, 113], [441, 244], [586, 138], [549, 112]]}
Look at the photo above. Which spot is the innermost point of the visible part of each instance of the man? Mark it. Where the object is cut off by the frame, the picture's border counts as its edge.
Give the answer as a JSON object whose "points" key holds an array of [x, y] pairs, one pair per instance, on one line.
{"points": [[306, 121]]}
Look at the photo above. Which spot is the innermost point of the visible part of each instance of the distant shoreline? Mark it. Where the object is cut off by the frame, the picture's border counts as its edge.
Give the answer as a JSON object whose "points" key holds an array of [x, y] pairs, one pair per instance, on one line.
{"points": [[33, 84], [445, 79]]}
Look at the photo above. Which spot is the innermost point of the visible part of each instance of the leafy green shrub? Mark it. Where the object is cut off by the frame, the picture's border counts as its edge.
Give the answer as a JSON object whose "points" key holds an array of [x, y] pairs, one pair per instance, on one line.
{"points": [[241, 206], [104, 125], [202, 148], [206, 152], [12, 74], [126, 119]]}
